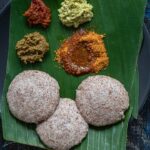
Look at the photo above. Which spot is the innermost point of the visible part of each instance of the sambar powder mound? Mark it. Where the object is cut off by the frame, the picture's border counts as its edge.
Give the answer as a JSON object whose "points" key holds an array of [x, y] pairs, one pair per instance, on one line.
{"points": [[84, 52], [32, 48]]}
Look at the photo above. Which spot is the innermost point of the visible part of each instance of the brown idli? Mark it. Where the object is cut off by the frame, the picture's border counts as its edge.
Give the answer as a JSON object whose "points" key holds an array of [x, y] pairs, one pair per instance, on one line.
{"points": [[33, 96], [65, 128], [102, 100]]}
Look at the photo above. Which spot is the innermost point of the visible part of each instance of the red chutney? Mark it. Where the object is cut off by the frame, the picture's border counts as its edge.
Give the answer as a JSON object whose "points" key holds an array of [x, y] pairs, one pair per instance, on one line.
{"points": [[84, 52], [38, 13]]}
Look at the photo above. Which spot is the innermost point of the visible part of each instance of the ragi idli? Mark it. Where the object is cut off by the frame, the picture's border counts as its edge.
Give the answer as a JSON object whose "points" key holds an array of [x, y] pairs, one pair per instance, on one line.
{"points": [[102, 100], [65, 128], [33, 96]]}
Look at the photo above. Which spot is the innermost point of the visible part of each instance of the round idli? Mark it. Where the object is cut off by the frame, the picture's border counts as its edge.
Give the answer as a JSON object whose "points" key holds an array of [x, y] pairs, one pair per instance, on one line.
{"points": [[65, 128], [102, 100], [33, 96]]}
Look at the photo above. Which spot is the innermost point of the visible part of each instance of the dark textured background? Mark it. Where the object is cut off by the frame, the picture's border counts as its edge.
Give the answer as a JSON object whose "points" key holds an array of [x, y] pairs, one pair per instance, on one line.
{"points": [[138, 131]]}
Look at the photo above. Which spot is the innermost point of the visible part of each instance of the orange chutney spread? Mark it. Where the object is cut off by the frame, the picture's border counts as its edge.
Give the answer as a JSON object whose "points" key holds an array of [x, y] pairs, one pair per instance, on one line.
{"points": [[83, 52]]}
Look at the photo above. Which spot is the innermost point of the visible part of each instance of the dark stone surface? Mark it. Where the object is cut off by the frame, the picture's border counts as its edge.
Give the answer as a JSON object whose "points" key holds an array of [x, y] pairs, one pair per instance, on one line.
{"points": [[139, 130]]}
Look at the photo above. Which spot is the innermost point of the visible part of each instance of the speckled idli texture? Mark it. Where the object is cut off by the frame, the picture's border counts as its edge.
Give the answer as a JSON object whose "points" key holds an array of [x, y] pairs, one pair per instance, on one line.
{"points": [[102, 100], [65, 128], [33, 96]]}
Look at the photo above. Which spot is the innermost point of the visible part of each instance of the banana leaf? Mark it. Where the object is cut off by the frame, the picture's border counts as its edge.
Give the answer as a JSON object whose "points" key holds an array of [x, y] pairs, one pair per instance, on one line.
{"points": [[121, 21]]}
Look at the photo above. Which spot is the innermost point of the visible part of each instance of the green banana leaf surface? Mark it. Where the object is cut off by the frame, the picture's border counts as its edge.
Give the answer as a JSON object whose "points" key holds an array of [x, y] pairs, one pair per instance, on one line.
{"points": [[122, 22]]}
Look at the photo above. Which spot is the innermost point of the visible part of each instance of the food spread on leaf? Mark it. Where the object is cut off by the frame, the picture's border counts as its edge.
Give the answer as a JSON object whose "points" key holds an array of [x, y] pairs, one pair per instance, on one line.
{"points": [[75, 12], [32, 48], [84, 52], [33, 96], [38, 13]]}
